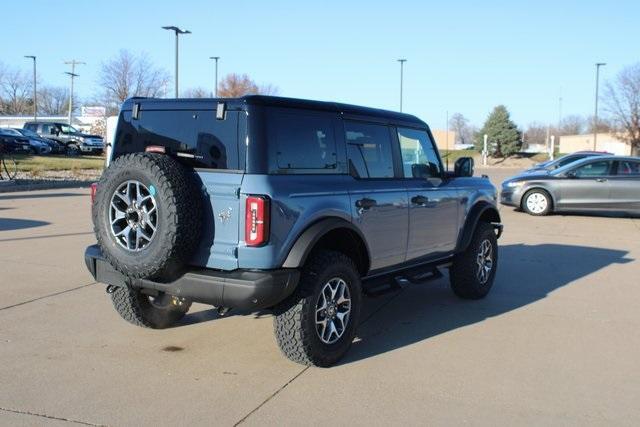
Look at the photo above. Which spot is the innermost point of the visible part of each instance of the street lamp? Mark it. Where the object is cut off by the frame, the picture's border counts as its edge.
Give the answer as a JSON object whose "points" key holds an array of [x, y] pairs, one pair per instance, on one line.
{"points": [[73, 76], [35, 98], [595, 116], [178, 31], [215, 88], [401, 61]]}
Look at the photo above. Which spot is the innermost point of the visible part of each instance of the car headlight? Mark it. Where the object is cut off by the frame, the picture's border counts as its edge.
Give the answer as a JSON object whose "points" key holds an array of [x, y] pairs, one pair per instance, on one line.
{"points": [[514, 184]]}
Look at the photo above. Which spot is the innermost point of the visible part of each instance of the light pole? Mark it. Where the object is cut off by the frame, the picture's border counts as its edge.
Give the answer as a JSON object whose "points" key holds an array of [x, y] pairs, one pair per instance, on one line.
{"points": [[401, 61], [215, 88], [73, 76], [595, 116], [178, 31], [35, 89]]}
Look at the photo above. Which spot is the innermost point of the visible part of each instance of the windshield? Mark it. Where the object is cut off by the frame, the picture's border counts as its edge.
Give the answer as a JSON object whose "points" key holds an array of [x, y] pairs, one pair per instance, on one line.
{"points": [[12, 132], [570, 166], [27, 132], [68, 129]]}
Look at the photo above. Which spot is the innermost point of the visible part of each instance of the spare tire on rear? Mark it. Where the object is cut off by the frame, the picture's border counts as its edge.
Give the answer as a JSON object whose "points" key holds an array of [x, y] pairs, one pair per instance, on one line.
{"points": [[147, 215]]}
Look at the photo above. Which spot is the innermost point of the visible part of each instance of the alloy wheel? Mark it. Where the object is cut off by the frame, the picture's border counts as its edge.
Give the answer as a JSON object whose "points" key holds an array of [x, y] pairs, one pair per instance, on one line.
{"points": [[133, 215], [332, 310]]}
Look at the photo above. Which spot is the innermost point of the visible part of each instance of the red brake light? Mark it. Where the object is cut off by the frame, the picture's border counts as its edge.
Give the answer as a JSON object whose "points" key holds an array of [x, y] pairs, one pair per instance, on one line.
{"points": [[94, 188], [256, 224]]}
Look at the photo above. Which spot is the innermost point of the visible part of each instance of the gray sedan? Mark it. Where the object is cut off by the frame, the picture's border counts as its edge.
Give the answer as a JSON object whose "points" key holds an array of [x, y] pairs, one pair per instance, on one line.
{"points": [[609, 183]]}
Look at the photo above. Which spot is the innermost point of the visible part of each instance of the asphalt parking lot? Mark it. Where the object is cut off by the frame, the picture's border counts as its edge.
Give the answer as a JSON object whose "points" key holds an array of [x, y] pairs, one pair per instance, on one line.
{"points": [[557, 341]]}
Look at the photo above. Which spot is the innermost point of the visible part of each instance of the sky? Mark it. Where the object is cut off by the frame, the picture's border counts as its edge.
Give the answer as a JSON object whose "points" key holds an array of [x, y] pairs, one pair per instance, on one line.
{"points": [[462, 56]]}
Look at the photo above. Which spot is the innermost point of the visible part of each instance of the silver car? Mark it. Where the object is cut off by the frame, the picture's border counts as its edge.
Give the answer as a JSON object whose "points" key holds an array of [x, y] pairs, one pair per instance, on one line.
{"points": [[610, 183]]}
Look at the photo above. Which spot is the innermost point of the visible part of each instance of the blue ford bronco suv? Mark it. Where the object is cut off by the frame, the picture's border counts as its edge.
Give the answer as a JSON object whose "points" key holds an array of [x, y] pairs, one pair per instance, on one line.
{"points": [[290, 205]]}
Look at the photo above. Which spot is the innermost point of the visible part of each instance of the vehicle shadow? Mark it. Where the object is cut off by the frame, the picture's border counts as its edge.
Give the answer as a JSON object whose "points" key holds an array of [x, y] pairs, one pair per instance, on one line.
{"points": [[7, 224], [527, 274]]}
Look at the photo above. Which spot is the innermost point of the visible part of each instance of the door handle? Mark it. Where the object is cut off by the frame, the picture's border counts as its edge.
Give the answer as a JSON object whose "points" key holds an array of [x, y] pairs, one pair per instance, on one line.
{"points": [[365, 203], [601, 180], [419, 200]]}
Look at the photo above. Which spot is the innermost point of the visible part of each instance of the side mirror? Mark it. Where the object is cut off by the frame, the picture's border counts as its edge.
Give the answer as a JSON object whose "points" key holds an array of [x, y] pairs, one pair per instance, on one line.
{"points": [[463, 167], [419, 170], [53, 131]]}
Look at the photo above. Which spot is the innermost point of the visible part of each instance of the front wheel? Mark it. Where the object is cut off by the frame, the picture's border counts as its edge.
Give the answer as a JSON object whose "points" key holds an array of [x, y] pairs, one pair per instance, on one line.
{"points": [[316, 325], [536, 202], [474, 270], [159, 312]]}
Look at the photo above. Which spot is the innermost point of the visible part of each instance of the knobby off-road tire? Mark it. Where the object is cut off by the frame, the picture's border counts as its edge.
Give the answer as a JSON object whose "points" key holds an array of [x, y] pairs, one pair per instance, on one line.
{"points": [[467, 280], [145, 311], [177, 215], [295, 319]]}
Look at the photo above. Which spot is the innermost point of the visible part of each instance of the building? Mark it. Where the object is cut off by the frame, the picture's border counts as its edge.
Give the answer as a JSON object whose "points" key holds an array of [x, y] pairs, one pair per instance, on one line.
{"points": [[605, 142], [444, 140]]}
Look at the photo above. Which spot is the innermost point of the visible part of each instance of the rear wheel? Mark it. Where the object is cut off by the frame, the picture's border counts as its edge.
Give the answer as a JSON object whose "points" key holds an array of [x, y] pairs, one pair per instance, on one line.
{"points": [[156, 312], [537, 202], [316, 325]]}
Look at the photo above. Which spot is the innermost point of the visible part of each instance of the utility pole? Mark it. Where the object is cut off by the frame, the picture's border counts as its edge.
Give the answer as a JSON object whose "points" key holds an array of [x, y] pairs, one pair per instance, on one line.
{"points": [[177, 31], [215, 88], [35, 89], [401, 61], [447, 139], [595, 116], [73, 75]]}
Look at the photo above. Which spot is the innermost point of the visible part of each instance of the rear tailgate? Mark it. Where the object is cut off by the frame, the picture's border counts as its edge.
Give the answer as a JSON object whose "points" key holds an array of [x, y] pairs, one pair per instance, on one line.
{"points": [[219, 239]]}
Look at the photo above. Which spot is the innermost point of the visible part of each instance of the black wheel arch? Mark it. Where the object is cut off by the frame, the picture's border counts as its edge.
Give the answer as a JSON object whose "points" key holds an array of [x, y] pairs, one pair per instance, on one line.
{"points": [[334, 234], [480, 212]]}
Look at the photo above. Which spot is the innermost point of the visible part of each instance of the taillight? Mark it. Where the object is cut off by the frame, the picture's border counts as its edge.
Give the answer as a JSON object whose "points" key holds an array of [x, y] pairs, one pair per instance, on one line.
{"points": [[94, 188], [256, 224]]}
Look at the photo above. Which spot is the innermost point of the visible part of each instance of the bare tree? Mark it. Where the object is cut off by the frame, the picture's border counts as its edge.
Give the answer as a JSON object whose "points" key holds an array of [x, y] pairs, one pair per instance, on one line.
{"points": [[572, 125], [196, 92], [236, 85], [622, 101], [460, 125], [54, 100], [128, 74], [536, 133], [15, 91]]}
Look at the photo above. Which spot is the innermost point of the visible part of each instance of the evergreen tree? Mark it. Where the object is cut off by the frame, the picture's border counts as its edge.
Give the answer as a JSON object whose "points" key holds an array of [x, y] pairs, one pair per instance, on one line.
{"points": [[504, 138]]}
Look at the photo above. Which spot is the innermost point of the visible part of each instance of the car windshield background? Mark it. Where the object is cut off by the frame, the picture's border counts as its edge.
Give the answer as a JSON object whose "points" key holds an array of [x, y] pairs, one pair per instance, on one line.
{"points": [[419, 158], [212, 143], [369, 150], [68, 129], [305, 141], [600, 168]]}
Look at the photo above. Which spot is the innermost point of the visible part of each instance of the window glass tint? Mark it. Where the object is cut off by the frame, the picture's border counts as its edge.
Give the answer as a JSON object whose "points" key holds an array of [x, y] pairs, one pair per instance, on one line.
{"points": [[68, 129], [305, 141], [419, 158], [594, 169], [31, 126], [628, 167], [46, 128], [212, 143], [569, 159], [369, 150]]}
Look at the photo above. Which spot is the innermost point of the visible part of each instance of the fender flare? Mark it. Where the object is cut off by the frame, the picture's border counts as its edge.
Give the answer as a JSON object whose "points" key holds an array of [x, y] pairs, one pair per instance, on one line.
{"points": [[307, 240], [470, 224]]}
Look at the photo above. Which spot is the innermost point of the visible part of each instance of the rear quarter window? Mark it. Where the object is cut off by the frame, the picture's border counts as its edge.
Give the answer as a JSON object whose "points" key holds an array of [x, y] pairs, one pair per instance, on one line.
{"points": [[302, 142], [208, 143]]}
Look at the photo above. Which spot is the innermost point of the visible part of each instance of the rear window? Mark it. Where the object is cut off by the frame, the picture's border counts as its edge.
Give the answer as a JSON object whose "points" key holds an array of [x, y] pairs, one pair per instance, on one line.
{"points": [[304, 141], [199, 139]]}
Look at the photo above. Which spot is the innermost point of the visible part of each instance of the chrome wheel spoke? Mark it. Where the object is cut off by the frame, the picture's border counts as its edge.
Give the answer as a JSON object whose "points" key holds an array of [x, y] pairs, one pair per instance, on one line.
{"points": [[133, 215], [333, 309]]}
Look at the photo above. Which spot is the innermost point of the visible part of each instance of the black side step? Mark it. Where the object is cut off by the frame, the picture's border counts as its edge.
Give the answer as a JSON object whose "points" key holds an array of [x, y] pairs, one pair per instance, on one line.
{"points": [[380, 286]]}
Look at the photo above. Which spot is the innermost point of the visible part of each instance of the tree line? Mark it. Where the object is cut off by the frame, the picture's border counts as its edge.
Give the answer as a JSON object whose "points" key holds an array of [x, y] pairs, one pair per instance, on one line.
{"points": [[122, 76]]}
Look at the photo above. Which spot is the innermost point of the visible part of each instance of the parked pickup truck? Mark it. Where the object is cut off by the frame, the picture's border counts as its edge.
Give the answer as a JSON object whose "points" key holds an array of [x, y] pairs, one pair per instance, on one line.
{"points": [[289, 205]]}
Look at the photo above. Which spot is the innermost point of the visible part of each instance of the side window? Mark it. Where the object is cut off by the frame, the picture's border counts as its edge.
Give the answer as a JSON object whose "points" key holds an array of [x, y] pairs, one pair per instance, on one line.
{"points": [[46, 129], [369, 150], [628, 167], [600, 168], [419, 157], [31, 126], [305, 141]]}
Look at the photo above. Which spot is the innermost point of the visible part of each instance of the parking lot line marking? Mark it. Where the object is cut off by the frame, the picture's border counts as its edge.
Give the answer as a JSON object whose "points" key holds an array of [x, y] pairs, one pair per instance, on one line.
{"points": [[46, 236], [47, 296], [33, 414]]}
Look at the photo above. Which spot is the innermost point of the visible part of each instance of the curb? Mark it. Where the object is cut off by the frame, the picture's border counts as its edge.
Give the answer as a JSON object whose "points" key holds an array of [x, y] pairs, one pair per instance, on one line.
{"points": [[32, 185]]}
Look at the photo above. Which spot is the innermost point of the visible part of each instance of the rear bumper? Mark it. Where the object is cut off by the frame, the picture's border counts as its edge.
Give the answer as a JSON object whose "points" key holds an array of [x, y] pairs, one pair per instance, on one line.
{"points": [[242, 289]]}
